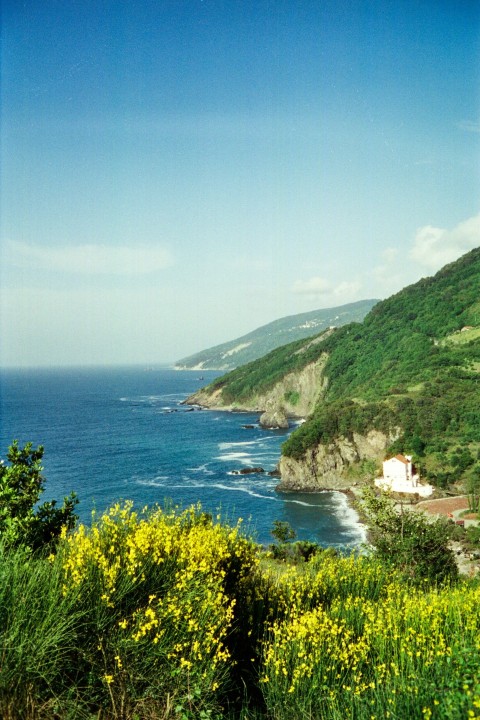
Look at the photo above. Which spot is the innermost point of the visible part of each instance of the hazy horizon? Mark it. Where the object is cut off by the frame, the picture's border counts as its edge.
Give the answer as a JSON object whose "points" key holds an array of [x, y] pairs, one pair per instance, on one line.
{"points": [[177, 173], [158, 364]]}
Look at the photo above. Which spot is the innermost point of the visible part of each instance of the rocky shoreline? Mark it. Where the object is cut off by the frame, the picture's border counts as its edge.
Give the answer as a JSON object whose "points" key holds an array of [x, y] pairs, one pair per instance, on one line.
{"points": [[325, 468]]}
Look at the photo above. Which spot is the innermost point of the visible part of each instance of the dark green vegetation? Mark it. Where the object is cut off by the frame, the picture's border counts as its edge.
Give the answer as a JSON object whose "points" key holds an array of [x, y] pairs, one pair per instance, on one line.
{"points": [[22, 521], [261, 341], [411, 366], [287, 548], [408, 541], [261, 375]]}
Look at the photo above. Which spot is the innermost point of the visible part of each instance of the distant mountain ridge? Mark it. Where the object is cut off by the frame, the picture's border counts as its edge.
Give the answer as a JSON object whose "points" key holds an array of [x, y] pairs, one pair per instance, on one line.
{"points": [[259, 342]]}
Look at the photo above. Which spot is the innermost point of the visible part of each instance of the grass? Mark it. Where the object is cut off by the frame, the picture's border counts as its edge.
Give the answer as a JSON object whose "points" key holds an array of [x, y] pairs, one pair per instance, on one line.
{"points": [[462, 337], [177, 616], [39, 633]]}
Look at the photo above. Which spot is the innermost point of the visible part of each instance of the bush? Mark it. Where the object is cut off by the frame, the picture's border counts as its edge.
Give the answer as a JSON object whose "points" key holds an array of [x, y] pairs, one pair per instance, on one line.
{"points": [[21, 484], [166, 614], [160, 593], [416, 546], [414, 654]]}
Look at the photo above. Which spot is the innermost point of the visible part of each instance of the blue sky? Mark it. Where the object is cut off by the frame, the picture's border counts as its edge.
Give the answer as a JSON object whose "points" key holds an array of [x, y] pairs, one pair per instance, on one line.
{"points": [[176, 173]]}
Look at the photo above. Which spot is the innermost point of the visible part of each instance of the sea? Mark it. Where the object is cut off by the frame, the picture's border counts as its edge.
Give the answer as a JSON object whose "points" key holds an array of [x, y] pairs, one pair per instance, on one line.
{"points": [[123, 433]]}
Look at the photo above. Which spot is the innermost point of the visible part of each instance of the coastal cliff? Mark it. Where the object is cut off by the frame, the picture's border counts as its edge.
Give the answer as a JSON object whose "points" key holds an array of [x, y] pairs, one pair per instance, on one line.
{"points": [[405, 380], [295, 395], [336, 465]]}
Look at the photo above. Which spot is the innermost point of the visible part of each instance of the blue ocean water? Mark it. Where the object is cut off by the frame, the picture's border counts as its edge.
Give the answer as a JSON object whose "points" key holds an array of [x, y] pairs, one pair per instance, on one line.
{"points": [[122, 433]]}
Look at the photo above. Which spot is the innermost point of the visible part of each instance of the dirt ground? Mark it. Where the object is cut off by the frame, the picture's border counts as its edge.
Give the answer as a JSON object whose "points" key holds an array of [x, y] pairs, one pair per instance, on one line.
{"points": [[444, 506]]}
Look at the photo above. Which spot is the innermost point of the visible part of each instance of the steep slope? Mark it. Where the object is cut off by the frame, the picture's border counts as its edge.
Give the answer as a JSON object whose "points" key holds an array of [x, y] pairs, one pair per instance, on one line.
{"points": [[291, 393], [261, 341], [289, 378], [406, 379]]}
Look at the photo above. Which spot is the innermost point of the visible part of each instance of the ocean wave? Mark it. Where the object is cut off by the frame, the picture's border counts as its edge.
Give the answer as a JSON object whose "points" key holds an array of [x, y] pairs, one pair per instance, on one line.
{"points": [[202, 468], [242, 456], [256, 480], [247, 490], [245, 443], [158, 481], [301, 502], [348, 516], [153, 399]]}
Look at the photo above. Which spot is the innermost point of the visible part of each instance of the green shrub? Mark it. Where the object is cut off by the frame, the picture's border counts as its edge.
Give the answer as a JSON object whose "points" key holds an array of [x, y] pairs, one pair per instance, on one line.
{"points": [[169, 615], [292, 397], [409, 541], [22, 520], [414, 654], [38, 638], [160, 592]]}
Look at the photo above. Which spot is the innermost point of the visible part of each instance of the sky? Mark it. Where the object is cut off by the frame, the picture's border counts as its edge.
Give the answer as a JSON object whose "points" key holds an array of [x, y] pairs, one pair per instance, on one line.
{"points": [[177, 173]]}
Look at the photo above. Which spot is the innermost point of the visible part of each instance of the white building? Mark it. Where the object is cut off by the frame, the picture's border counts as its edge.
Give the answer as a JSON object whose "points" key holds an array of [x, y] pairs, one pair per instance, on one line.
{"points": [[399, 476]]}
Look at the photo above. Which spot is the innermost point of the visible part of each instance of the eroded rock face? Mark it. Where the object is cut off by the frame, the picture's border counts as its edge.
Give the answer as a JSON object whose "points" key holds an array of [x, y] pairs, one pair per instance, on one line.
{"points": [[325, 467], [273, 420], [295, 395]]}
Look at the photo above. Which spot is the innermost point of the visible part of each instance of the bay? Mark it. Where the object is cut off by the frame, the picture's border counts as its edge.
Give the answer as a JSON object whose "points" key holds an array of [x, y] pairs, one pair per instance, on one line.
{"points": [[122, 433]]}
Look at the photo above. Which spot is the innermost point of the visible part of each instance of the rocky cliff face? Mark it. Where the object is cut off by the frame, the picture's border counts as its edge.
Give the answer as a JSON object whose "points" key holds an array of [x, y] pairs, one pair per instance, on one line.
{"points": [[326, 467], [295, 396]]}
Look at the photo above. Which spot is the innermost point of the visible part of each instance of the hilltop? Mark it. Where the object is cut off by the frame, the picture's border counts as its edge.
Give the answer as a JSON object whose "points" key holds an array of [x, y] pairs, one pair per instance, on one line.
{"points": [[406, 379], [261, 341]]}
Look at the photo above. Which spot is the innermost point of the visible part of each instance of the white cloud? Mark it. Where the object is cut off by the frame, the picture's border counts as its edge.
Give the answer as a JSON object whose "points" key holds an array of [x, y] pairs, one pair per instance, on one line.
{"points": [[389, 255], [347, 289], [434, 247], [388, 258], [313, 286], [316, 287], [91, 259]]}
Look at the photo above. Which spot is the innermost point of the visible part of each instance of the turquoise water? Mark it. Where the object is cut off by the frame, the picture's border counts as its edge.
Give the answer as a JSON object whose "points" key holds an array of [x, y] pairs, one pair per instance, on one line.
{"points": [[122, 433]]}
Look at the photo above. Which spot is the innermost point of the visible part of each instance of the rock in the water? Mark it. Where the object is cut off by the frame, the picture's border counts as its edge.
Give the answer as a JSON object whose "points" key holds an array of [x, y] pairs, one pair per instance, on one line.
{"points": [[273, 420], [248, 471]]}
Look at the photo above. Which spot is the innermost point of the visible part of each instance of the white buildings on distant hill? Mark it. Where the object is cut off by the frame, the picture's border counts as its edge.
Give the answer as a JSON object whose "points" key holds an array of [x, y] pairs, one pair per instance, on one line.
{"points": [[399, 476]]}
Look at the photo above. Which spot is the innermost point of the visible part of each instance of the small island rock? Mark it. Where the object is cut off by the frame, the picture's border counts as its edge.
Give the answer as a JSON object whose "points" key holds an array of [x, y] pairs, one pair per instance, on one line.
{"points": [[276, 419], [248, 471]]}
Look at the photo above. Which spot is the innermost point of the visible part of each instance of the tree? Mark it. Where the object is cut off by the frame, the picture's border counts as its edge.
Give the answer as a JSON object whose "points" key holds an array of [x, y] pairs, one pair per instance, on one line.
{"points": [[409, 541], [473, 489], [22, 520], [282, 531]]}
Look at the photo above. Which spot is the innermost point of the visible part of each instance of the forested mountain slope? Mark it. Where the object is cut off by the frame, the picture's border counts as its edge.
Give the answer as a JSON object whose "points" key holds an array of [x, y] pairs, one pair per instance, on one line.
{"points": [[407, 378], [261, 341]]}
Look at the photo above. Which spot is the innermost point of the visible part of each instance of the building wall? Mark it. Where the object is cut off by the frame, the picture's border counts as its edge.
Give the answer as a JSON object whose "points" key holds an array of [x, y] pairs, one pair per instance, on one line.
{"points": [[394, 469]]}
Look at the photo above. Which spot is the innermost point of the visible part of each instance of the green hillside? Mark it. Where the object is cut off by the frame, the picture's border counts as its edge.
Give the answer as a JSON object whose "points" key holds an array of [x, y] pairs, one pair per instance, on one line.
{"points": [[413, 364], [261, 341]]}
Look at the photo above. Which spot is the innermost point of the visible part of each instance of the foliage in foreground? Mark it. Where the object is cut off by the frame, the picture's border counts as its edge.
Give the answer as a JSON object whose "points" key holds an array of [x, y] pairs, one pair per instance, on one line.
{"points": [[22, 521], [409, 541], [169, 615], [357, 642]]}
